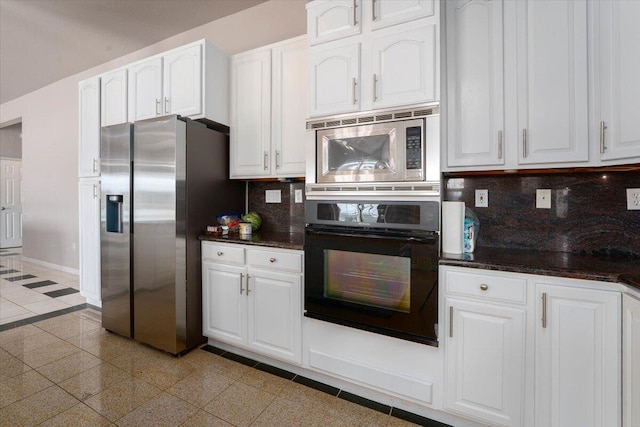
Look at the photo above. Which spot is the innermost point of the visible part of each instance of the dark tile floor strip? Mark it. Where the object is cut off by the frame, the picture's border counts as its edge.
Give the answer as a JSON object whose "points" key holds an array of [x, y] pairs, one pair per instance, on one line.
{"points": [[23, 277], [275, 371], [61, 292], [39, 284], [416, 419], [214, 350], [45, 316], [316, 385], [9, 271], [353, 398], [240, 359]]}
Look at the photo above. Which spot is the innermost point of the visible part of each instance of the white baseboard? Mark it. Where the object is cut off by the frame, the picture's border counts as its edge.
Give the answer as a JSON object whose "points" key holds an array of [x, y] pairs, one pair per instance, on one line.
{"points": [[51, 265]]}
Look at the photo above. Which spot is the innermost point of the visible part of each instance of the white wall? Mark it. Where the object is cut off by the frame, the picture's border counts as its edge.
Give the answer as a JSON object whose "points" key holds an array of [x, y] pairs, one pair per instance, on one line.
{"points": [[50, 126]]}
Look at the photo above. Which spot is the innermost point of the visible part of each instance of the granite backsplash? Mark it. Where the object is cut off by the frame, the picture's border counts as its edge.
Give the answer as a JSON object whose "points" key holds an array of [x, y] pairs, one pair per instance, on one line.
{"points": [[284, 217], [588, 211]]}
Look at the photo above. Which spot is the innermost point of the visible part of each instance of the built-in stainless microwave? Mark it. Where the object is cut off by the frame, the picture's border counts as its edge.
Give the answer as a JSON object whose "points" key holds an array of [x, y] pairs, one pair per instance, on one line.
{"points": [[376, 149]]}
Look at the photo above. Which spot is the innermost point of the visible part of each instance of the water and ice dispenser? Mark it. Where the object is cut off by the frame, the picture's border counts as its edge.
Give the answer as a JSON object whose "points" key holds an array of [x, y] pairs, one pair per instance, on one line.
{"points": [[114, 213]]}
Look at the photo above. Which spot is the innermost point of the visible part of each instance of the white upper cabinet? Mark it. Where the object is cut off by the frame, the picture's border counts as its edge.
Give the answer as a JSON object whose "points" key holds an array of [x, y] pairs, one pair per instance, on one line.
{"points": [[89, 127], [552, 84], [269, 110], [615, 126], [391, 60], [145, 90], [183, 82], [113, 97], [475, 83], [331, 20]]}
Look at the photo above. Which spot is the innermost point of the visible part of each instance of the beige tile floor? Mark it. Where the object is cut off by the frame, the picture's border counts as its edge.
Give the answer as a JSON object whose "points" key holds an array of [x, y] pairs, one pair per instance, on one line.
{"points": [[18, 302], [68, 371]]}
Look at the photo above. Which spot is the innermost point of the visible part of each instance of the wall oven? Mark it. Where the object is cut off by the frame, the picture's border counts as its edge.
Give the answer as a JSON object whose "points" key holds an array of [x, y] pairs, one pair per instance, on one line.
{"points": [[373, 265]]}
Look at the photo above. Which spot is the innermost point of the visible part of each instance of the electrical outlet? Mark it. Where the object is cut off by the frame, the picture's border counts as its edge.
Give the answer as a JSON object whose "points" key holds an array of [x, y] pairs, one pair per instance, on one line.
{"points": [[543, 198], [482, 198], [273, 196], [298, 196], [633, 199]]}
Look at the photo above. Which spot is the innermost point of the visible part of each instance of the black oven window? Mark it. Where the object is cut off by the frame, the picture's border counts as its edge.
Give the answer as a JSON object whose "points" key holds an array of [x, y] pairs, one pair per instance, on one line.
{"points": [[375, 280]]}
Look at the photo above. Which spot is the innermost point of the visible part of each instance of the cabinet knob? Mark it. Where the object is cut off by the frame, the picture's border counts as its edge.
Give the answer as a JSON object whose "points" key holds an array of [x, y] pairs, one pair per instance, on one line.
{"points": [[220, 253], [484, 287], [272, 260]]}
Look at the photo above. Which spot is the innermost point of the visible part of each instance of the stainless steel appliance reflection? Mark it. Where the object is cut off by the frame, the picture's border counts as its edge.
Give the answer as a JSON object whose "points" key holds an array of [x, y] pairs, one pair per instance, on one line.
{"points": [[155, 203]]}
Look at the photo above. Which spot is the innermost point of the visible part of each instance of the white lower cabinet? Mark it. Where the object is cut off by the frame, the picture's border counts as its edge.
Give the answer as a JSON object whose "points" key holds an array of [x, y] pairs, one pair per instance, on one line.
{"points": [[630, 361], [577, 357], [89, 221], [252, 298]]}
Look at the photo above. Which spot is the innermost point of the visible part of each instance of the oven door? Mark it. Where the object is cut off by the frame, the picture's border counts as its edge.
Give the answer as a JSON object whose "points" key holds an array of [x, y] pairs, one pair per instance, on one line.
{"points": [[379, 281]]}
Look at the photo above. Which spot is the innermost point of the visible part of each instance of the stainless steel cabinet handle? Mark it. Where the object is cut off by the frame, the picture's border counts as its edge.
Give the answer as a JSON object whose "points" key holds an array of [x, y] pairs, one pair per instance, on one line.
{"points": [[373, 10], [95, 164], [355, 16], [544, 310], [166, 105], [499, 144], [451, 322], [353, 85], [241, 288], [95, 192], [484, 287], [248, 290], [524, 143], [603, 126], [375, 87], [220, 253], [157, 107], [272, 260], [266, 160], [277, 159]]}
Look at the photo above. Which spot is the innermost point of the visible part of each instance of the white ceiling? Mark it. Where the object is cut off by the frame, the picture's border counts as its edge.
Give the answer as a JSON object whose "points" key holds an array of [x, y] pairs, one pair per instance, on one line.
{"points": [[43, 41]]}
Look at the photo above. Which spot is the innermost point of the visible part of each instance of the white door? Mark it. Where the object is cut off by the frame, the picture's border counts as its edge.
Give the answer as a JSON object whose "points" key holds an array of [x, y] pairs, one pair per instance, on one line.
{"points": [[145, 90], [290, 100], [392, 12], [552, 81], [577, 357], [11, 203], [275, 314], [89, 127], [619, 82], [89, 221], [333, 20], [113, 98], [485, 361], [630, 358], [224, 303], [334, 79], [183, 82], [475, 83], [413, 82], [251, 114]]}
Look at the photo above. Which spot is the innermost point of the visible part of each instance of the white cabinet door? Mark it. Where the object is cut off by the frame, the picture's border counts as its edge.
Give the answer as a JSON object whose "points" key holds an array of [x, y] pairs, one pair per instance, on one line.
{"points": [[630, 359], [113, 98], [405, 66], [89, 203], [391, 12], [331, 20], [577, 357], [485, 361], [475, 83], [89, 127], [552, 81], [334, 85], [290, 100], [618, 83], [182, 86], [224, 303], [275, 314], [145, 90], [251, 114]]}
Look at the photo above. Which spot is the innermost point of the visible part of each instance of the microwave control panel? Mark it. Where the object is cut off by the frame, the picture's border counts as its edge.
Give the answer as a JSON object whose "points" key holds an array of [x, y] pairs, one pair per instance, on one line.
{"points": [[413, 148]]}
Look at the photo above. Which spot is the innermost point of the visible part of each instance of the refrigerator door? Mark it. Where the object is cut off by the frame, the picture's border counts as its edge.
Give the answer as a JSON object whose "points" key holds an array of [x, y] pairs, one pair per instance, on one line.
{"points": [[115, 215], [158, 233]]}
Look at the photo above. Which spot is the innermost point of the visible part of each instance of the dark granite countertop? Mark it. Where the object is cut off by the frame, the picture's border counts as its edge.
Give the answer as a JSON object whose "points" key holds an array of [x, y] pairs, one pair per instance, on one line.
{"points": [[263, 238], [547, 263]]}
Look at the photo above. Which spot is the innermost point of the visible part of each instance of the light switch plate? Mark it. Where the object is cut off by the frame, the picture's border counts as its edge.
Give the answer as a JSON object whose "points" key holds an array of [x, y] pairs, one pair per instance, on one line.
{"points": [[482, 198], [543, 198], [298, 196], [633, 199], [273, 196]]}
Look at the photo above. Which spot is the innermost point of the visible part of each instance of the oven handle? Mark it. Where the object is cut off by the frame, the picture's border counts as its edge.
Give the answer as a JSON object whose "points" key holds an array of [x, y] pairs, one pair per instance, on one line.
{"points": [[424, 239]]}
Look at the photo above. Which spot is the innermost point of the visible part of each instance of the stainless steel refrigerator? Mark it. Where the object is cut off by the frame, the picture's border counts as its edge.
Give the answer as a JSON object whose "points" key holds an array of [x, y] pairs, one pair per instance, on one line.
{"points": [[163, 180]]}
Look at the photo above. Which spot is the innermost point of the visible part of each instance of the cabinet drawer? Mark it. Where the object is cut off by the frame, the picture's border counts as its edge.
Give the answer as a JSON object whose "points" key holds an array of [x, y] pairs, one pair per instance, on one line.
{"points": [[275, 260], [488, 286], [222, 253]]}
